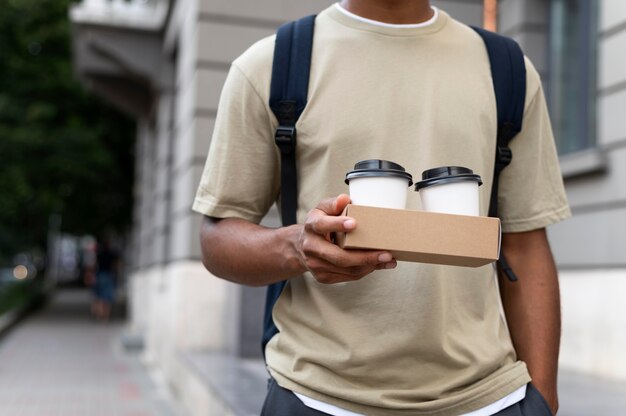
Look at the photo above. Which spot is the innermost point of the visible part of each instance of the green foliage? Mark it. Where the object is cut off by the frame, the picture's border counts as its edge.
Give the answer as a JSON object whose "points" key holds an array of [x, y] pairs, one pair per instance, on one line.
{"points": [[61, 150], [19, 294]]}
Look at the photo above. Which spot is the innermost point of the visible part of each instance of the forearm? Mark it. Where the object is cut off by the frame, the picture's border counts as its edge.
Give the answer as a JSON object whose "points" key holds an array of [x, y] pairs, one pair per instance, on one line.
{"points": [[249, 254], [532, 308]]}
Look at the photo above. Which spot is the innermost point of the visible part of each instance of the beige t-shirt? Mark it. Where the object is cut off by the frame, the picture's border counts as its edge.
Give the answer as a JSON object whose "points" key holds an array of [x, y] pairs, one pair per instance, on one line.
{"points": [[420, 339]]}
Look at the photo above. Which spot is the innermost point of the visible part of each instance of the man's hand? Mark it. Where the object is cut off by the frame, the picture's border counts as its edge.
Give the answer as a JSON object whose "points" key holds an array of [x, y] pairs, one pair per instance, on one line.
{"points": [[327, 262], [250, 254]]}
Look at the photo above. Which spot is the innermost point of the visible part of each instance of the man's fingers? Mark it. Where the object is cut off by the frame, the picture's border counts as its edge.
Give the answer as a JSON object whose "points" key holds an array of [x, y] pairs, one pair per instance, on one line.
{"points": [[334, 206], [328, 262], [386, 266], [321, 249], [324, 224], [341, 202], [327, 273]]}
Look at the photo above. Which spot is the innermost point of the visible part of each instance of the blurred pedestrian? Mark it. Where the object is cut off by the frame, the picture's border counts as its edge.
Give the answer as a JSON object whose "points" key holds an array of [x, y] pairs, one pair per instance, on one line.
{"points": [[87, 268], [107, 260]]}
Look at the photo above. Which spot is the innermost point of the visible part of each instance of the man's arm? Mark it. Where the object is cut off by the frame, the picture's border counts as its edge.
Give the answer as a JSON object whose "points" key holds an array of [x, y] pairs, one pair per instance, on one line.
{"points": [[250, 254], [532, 307]]}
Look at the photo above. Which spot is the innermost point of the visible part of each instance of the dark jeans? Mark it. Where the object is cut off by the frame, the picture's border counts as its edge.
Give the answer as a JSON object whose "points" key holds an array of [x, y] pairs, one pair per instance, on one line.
{"points": [[282, 402]]}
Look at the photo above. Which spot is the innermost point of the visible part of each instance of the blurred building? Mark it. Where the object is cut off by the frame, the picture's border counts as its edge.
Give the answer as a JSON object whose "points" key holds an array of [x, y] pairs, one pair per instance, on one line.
{"points": [[164, 62]]}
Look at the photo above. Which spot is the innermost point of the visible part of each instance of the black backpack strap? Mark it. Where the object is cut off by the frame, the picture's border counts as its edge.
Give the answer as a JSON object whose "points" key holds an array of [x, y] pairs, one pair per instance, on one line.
{"points": [[288, 97], [508, 72]]}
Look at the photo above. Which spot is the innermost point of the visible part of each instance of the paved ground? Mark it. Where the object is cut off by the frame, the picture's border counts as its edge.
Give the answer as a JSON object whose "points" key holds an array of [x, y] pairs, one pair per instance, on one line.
{"points": [[59, 362], [581, 395]]}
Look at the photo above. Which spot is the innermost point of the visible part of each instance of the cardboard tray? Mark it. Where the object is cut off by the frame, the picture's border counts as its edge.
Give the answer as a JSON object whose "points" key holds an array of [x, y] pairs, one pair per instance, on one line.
{"points": [[424, 237]]}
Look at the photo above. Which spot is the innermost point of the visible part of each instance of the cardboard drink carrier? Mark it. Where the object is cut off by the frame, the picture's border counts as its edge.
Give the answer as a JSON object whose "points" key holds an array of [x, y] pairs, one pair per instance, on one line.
{"points": [[424, 237]]}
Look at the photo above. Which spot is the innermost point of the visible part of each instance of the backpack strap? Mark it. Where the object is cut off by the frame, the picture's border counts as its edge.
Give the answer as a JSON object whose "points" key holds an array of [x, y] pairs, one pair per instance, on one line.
{"points": [[288, 97], [508, 72]]}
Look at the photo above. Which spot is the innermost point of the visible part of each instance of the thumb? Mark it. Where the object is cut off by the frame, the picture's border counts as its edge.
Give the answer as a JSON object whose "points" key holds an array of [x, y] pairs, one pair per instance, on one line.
{"points": [[334, 206], [341, 202]]}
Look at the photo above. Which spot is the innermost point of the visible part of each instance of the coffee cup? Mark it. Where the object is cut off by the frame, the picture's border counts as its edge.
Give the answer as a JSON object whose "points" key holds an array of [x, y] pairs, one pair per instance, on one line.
{"points": [[379, 183], [450, 190]]}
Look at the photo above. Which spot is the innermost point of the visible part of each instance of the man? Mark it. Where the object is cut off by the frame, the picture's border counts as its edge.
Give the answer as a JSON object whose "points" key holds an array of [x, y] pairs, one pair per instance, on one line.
{"points": [[359, 333], [107, 260]]}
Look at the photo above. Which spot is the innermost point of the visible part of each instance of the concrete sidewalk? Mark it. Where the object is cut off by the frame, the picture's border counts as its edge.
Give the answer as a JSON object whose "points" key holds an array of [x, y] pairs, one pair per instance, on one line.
{"points": [[583, 395], [59, 362]]}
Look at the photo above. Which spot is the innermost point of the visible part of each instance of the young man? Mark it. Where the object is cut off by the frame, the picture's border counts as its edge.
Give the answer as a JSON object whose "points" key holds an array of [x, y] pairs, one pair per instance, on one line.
{"points": [[360, 333]]}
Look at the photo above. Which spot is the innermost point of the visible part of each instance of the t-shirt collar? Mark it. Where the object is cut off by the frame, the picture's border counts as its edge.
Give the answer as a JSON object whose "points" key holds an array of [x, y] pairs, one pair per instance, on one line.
{"points": [[390, 25], [346, 18]]}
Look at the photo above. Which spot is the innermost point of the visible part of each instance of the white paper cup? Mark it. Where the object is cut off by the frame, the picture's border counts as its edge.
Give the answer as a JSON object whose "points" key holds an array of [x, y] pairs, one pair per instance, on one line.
{"points": [[450, 190], [379, 183], [383, 192]]}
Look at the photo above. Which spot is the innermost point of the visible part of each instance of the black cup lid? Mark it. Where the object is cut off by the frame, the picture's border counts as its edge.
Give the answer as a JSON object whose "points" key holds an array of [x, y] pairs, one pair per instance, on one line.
{"points": [[378, 168], [447, 174]]}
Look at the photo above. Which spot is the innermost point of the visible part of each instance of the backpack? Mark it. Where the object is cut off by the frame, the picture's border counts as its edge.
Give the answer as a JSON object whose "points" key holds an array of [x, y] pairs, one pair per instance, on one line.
{"points": [[288, 97]]}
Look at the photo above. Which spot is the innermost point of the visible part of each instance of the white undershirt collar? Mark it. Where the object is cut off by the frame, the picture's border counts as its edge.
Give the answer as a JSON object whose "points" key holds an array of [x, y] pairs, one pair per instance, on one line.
{"points": [[382, 24]]}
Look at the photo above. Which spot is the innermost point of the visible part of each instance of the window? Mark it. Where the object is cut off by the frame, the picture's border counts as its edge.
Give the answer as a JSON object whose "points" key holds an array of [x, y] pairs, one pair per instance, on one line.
{"points": [[572, 88]]}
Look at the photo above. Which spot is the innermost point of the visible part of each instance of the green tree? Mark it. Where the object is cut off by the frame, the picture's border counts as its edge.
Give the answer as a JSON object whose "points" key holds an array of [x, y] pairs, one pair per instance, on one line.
{"points": [[62, 151]]}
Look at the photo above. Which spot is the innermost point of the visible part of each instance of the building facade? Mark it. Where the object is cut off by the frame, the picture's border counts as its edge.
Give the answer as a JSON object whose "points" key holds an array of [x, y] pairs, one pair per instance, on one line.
{"points": [[164, 62]]}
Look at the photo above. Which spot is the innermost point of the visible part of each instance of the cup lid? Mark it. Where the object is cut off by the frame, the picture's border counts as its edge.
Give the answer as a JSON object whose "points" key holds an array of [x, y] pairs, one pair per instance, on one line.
{"points": [[372, 168], [447, 174]]}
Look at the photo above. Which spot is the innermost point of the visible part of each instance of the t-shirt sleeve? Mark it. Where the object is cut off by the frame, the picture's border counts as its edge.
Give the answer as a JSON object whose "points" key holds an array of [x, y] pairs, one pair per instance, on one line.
{"points": [[531, 192], [241, 175]]}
